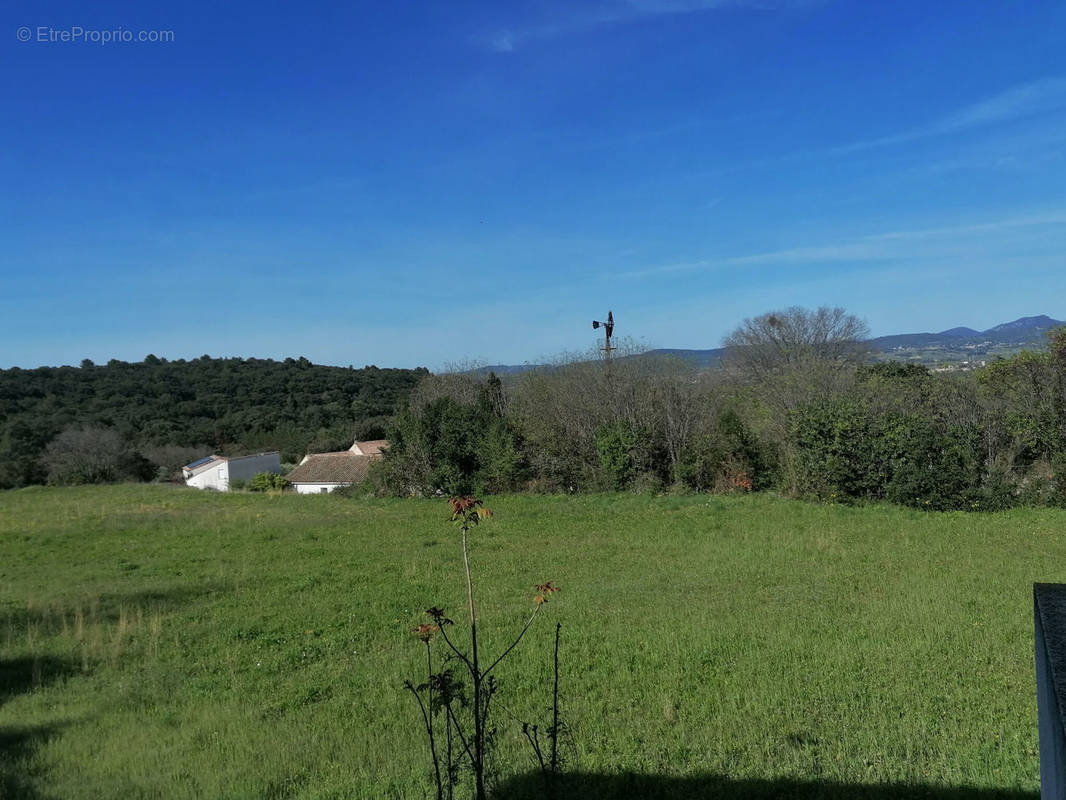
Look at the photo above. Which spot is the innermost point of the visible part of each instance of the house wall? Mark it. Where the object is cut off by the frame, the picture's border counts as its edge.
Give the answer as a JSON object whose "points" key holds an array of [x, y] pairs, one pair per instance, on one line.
{"points": [[248, 467], [316, 488], [217, 477]]}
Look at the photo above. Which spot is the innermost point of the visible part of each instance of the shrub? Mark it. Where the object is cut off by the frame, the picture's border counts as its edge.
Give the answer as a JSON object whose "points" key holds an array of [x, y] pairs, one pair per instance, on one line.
{"points": [[646, 483], [1058, 472], [93, 455], [451, 447], [725, 458], [931, 469], [615, 443], [834, 450], [364, 489], [266, 481]]}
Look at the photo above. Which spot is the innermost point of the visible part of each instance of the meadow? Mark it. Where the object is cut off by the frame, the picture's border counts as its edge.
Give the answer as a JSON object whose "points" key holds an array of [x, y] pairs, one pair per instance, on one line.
{"points": [[162, 642]]}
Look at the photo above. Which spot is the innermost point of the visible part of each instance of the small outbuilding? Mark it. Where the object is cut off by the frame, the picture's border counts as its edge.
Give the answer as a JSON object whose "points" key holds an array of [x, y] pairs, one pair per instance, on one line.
{"points": [[216, 472]]}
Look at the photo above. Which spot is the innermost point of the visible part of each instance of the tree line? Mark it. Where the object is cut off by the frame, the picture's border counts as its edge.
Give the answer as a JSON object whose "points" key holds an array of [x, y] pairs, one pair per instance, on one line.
{"points": [[138, 421], [796, 406]]}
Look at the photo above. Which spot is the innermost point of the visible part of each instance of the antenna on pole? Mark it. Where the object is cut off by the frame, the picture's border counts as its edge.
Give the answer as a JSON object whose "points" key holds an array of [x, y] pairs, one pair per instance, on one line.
{"points": [[608, 330]]}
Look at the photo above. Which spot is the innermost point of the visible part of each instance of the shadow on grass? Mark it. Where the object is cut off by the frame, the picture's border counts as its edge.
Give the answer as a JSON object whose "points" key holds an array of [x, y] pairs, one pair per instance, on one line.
{"points": [[107, 606], [17, 746], [632, 786], [24, 674], [19, 743], [27, 673]]}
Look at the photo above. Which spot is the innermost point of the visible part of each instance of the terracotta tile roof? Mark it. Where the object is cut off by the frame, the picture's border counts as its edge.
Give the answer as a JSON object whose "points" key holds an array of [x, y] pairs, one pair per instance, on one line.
{"points": [[372, 448], [344, 467]]}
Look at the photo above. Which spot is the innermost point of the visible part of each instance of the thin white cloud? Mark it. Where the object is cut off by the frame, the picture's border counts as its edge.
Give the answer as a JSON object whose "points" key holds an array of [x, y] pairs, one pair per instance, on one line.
{"points": [[887, 246], [1057, 217], [502, 42], [1034, 146], [1045, 96], [507, 40], [1025, 100]]}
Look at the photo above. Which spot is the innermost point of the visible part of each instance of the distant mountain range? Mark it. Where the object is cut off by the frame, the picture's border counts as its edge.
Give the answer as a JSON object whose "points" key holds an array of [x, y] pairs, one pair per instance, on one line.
{"points": [[1024, 332], [955, 348], [965, 348]]}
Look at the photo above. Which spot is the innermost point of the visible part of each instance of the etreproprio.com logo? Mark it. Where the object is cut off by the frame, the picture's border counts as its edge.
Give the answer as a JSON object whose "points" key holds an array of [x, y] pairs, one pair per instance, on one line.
{"points": [[76, 34]]}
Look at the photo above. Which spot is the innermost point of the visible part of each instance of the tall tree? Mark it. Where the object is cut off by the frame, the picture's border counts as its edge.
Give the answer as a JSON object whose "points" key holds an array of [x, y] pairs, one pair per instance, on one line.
{"points": [[773, 342]]}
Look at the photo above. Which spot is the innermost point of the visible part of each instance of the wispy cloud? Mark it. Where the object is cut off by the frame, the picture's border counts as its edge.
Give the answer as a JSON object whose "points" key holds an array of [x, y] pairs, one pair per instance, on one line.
{"points": [[576, 20], [502, 41], [886, 246], [1043, 97], [1025, 100]]}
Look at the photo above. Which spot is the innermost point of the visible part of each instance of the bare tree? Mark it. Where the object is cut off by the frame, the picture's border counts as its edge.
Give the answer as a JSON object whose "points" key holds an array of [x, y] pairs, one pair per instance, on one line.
{"points": [[682, 407], [92, 455], [461, 385], [170, 458], [769, 344]]}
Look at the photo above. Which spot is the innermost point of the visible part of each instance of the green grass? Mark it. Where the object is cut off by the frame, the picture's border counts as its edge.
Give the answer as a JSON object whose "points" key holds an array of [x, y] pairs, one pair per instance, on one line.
{"points": [[159, 642]]}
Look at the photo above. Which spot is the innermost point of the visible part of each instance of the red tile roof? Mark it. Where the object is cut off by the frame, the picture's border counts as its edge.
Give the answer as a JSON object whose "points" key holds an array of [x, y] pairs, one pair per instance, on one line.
{"points": [[344, 467], [372, 448]]}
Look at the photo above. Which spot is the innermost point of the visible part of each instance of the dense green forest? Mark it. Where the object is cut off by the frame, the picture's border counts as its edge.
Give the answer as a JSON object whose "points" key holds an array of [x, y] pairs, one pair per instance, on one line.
{"points": [[796, 406], [146, 419]]}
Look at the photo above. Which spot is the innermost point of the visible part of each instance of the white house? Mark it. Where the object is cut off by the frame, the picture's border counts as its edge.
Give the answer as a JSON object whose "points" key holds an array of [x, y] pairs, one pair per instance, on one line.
{"points": [[216, 472], [321, 473]]}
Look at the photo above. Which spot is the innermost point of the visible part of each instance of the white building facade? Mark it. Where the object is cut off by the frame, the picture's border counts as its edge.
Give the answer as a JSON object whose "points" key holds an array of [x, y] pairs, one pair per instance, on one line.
{"points": [[216, 472]]}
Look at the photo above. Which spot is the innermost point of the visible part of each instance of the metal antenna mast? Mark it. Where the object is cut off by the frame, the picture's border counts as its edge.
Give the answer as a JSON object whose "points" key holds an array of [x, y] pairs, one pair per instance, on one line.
{"points": [[608, 330]]}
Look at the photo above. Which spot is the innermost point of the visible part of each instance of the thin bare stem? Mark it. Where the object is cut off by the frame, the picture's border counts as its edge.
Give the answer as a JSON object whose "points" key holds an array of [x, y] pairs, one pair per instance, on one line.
{"points": [[429, 724], [469, 586], [455, 649], [429, 728], [410, 686], [459, 730], [534, 742], [516, 641], [450, 762], [479, 723], [555, 715]]}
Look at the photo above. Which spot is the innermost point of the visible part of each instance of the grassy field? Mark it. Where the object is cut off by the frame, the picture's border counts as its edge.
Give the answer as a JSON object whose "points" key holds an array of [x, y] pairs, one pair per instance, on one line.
{"points": [[159, 642]]}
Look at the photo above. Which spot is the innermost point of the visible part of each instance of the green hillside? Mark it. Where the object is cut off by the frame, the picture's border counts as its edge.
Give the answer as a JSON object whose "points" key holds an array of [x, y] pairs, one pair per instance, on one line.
{"points": [[174, 410]]}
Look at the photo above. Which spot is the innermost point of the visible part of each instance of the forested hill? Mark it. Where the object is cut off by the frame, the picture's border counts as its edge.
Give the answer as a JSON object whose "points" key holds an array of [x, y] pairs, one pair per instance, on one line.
{"points": [[169, 411]]}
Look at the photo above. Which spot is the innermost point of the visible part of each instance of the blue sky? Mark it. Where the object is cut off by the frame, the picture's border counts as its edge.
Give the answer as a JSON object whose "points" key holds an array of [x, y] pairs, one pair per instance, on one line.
{"points": [[415, 183]]}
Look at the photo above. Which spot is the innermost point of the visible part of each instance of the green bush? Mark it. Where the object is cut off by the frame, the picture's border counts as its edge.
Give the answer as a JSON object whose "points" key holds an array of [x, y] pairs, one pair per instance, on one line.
{"points": [[453, 447], [725, 458], [615, 443], [266, 481], [1058, 477], [930, 468], [835, 450], [846, 451], [352, 490]]}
